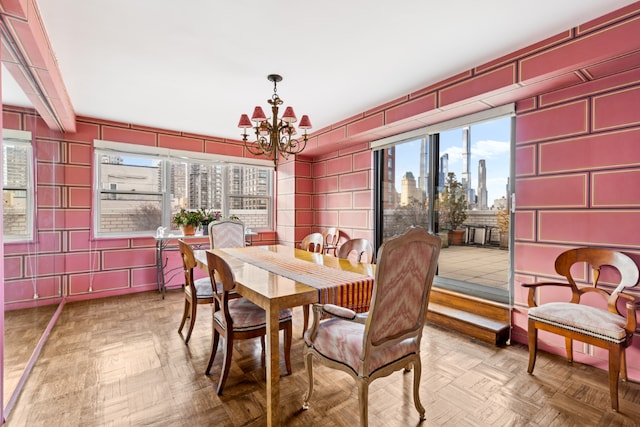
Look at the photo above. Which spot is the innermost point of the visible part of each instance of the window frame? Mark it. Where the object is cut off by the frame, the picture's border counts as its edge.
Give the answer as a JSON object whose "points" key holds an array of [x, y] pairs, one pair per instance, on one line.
{"points": [[167, 158], [23, 139]]}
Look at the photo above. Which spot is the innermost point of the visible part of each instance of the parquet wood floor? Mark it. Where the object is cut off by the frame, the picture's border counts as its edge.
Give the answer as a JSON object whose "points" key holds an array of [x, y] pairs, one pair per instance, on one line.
{"points": [[120, 362]]}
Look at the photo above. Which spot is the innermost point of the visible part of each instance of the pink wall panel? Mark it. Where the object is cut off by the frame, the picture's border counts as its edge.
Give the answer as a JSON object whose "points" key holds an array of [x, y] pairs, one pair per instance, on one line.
{"points": [[98, 281], [224, 148], [537, 259], [49, 197], [85, 132], [617, 109], [78, 218], [366, 124], [127, 259], [561, 121], [362, 199], [319, 169], [554, 191], [49, 173], [328, 218], [354, 218], [11, 120], [144, 276], [339, 165], [481, 84], [81, 240], [77, 175], [304, 185], [598, 151], [363, 160], [12, 267], [130, 136], [332, 137], [47, 219], [48, 151], [327, 185], [354, 181], [80, 154], [79, 197], [180, 143], [525, 225], [319, 201], [340, 201], [526, 160], [410, 109], [48, 241], [616, 189], [613, 228], [304, 218], [303, 201]]}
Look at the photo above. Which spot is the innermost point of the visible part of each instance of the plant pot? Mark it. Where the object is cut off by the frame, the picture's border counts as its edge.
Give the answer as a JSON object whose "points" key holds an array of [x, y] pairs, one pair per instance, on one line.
{"points": [[444, 239], [205, 228], [188, 230], [504, 240], [456, 237]]}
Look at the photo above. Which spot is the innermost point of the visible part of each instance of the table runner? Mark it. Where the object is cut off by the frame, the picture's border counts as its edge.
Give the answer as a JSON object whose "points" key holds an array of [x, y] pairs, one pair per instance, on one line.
{"points": [[335, 286]]}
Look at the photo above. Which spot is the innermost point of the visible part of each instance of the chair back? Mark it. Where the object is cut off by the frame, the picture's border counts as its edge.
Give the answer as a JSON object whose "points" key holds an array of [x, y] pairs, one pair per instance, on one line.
{"points": [[597, 258], [226, 234], [404, 275], [188, 264], [331, 236], [219, 269], [313, 242], [359, 249]]}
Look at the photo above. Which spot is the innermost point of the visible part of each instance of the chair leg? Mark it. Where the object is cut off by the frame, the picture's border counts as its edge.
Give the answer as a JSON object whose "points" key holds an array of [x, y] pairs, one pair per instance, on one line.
{"points": [[192, 321], [288, 332], [533, 345], [568, 342], [363, 401], [305, 318], [262, 355], [214, 349], [417, 372], [226, 364], [185, 315], [623, 365], [614, 373], [308, 365]]}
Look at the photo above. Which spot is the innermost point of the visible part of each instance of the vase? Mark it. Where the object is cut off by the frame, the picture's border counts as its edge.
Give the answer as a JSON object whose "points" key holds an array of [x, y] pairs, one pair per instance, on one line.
{"points": [[188, 230]]}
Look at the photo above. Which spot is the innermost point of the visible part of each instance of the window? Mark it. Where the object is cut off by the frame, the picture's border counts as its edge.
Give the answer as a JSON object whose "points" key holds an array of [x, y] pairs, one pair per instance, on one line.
{"points": [[17, 186], [139, 188], [415, 172]]}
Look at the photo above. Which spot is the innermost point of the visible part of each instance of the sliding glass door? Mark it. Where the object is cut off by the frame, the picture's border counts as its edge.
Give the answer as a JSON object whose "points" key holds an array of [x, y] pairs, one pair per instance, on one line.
{"points": [[454, 182]]}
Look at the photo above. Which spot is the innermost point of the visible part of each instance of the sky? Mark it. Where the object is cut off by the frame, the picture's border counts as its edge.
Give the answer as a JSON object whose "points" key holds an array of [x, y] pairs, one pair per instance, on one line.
{"points": [[489, 141]]}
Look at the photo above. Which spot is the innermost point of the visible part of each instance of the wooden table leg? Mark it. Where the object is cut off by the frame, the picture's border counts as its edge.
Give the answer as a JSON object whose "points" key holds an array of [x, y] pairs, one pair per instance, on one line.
{"points": [[273, 368]]}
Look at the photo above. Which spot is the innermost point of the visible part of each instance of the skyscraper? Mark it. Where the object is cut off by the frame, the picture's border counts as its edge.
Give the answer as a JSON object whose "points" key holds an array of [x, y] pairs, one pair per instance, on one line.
{"points": [[482, 185]]}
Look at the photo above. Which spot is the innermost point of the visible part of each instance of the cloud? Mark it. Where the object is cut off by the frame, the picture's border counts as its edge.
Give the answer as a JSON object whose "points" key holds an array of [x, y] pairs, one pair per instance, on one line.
{"points": [[486, 149]]}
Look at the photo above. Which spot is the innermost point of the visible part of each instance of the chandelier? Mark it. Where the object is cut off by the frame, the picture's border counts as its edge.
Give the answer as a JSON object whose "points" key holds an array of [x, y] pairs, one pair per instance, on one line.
{"points": [[274, 138]]}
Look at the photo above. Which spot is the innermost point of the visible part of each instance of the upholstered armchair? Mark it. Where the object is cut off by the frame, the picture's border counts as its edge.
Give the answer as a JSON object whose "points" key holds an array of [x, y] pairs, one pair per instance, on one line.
{"points": [[388, 338], [602, 327]]}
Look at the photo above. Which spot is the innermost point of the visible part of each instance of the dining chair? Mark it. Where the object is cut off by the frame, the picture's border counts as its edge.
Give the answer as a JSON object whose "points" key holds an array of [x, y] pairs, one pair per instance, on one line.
{"points": [[386, 340], [313, 242], [359, 250], [331, 238], [602, 327], [196, 292], [239, 319], [226, 233]]}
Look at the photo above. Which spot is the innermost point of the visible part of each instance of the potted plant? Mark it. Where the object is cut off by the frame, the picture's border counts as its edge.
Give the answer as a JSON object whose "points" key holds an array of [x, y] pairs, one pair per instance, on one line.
{"points": [[453, 209], [188, 221], [502, 220], [208, 216]]}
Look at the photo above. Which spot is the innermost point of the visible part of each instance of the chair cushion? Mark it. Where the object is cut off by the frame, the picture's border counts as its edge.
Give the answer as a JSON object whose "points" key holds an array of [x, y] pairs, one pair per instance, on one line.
{"points": [[342, 340], [203, 288], [583, 319], [247, 316]]}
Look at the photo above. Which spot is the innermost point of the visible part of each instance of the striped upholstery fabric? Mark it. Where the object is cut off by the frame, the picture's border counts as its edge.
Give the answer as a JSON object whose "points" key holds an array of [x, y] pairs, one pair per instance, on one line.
{"points": [[226, 234], [246, 315]]}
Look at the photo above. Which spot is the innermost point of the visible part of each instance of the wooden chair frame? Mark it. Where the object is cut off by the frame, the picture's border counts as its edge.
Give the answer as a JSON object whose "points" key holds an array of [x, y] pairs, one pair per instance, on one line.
{"points": [[362, 247], [596, 258], [218, 266], [191, 299], [376, 336]]}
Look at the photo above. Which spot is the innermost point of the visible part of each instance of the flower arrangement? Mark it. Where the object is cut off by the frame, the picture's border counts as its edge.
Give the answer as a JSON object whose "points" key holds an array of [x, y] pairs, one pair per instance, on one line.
{"points": [[209, 216], [187, 220]]}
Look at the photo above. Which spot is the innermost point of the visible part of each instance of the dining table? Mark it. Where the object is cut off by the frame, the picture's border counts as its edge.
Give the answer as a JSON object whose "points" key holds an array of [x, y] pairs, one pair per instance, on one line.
{"points": [[276, 277]]}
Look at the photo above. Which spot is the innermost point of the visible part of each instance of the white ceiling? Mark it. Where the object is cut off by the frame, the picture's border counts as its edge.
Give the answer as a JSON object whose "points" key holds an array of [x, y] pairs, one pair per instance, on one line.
{"points": [[196, 67]]}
